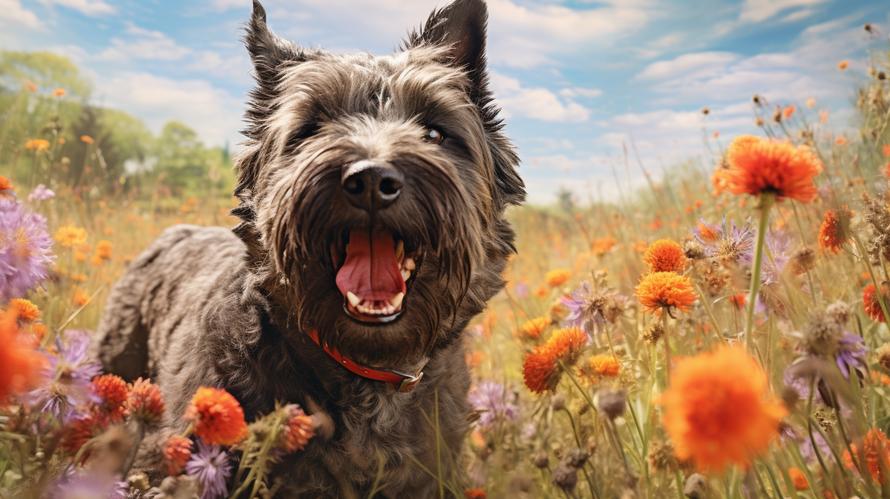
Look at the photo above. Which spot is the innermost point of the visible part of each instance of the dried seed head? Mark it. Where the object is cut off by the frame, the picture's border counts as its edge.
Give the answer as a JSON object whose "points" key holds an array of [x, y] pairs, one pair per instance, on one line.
{"points": [[653, 333], [661, 456], [611, 402], [884, 356], [541, 460], [839, 312], [558, 402], [565, 477], [803, 260], [821, 336], [696, 486], [576, 458], [693, 250]]}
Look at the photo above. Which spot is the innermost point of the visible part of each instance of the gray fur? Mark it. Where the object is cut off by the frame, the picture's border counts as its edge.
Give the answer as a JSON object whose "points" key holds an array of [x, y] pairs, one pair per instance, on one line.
{"points": [[230, 308]]}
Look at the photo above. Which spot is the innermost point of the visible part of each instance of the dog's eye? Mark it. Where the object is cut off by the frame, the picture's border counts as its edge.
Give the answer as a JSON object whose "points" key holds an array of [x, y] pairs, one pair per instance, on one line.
{"points": [[433, 136]]}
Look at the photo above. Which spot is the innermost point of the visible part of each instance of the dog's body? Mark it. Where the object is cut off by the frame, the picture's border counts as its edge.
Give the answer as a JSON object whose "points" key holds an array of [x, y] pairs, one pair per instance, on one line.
{"points": [[372, 194]]}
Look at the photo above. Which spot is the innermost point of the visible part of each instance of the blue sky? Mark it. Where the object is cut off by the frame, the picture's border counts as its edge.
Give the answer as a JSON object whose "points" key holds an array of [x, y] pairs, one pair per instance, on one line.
{"points": [[579, 80]]}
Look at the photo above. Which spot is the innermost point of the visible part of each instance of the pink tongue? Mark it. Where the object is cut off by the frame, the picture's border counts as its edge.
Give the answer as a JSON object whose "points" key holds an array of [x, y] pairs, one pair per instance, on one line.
{"points": [[371, 271]]}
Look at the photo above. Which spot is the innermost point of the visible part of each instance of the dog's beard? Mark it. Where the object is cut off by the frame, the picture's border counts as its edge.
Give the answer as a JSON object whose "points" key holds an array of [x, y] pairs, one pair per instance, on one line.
{"points": [[381, 287]]}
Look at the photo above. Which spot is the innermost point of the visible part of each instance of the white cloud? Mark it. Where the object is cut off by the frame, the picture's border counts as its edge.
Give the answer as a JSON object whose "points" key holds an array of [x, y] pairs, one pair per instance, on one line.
{"points": [[536, 103], [212, 112], [693, 65], [12, 12], [87, 7], [143, 44], [588, 93], [756, 11]]}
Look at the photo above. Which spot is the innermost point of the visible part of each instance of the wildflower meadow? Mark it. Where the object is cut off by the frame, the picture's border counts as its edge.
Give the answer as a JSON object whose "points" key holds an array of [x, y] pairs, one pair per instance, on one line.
{"points": [[721, 332]]}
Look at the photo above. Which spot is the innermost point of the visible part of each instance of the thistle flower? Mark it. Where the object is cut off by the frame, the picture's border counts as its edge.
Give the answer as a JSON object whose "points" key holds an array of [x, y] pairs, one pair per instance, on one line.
{"points": [[298, 429], [217, 417], [728, 242], [24, 250], [144, 402], [177, 452], [493, 402], [871, 301], [758, 166], [211, 467], [665, 255], [665, 291], [590, 309], [20, 363], [68, 375], [612, 403], [541, 370], [718, 431], [835, 230], [41, 193], [872, 453], [851, 354]]}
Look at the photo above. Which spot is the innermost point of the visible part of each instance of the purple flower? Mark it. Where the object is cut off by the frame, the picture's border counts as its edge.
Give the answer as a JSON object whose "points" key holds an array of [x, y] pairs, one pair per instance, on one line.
{"points": [[494, 402], [775, 258], [589, 309], [732, 243], [24, 250], [851, 354], [211, 467], [807, 450], [68, 375], [521, 290], [76, 485], [41, 193]]}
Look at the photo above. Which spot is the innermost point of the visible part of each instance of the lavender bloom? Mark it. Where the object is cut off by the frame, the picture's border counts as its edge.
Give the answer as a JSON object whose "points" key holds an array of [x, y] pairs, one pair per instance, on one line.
{"points": [[68, 375], [732, 243], [24, 250], [41, 193], [211, 467], [799, 384], [494, 402], [851, 354], [590, 310], [776, 258], [82, 485], [808, 451]]}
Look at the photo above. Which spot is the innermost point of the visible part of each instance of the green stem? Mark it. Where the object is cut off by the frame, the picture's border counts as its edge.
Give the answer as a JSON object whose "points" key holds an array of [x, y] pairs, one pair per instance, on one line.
{"points": [[766, 202]]}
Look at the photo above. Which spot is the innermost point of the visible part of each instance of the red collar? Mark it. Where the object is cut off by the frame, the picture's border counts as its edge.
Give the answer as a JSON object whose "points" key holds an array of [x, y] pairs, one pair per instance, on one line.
{"points": [[401, 381]]}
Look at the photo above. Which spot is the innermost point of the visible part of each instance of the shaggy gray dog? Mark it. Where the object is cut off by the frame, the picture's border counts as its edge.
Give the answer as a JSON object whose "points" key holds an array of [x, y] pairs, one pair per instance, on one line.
{"points": [[372, 194]]}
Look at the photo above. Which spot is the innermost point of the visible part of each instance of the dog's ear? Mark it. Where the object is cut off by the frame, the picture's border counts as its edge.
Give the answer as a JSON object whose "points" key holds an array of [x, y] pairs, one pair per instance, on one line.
{"points": [[461, 26], [267, 51]]}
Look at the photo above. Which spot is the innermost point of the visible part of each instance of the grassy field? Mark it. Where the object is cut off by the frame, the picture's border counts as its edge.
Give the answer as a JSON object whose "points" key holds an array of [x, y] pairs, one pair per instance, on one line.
{"points": [[626, 357]]}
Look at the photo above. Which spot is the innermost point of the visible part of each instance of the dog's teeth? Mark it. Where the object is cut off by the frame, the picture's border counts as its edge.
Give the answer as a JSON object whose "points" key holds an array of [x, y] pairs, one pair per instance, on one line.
{"points": [[406, 274], [409, 264], [354, 300], [400, 251], [396, 301]]}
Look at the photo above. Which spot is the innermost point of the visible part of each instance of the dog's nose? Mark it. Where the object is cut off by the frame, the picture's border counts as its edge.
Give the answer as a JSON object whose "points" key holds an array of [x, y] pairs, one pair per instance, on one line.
{"points": [[371, 186]]}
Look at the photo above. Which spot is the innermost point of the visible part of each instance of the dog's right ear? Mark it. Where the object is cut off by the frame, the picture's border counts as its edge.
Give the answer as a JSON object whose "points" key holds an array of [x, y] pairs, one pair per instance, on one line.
{"points": [[267, 51]]}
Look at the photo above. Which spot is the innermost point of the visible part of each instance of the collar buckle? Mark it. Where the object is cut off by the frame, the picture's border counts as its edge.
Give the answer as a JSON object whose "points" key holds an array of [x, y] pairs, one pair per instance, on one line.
{"points": [[409, 381]]}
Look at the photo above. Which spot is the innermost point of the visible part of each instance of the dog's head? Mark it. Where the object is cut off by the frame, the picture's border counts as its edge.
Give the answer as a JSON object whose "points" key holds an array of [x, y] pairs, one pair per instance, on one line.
{"points": [[373, 189]]}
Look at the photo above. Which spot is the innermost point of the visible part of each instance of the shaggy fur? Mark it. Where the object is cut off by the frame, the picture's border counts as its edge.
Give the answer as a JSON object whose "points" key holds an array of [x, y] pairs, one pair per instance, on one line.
{"points": [[230, 308]]}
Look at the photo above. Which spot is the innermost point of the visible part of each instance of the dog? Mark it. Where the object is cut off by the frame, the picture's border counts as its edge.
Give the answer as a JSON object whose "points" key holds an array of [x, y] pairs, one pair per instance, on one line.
{"points": [[371, 201]]}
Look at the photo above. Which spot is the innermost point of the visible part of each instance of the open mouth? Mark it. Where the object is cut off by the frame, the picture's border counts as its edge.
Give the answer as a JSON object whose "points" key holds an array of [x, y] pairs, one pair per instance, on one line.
{"points": [[375, 274]]}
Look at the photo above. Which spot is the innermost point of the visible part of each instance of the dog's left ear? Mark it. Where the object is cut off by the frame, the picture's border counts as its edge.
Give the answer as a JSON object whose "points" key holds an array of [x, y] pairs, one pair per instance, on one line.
{"points": [[267, 51], [461, 26]]}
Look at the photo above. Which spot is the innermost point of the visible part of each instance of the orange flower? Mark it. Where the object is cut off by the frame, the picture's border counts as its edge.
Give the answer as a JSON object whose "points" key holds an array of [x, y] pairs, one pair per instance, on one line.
{"points": [[718, 411], [103, 249], [665, 290], [20, 363], [144, 402], [823, 117], [872, 304], [69, 236], [758, 166], [81, 298], [476, 493], [25, 309], [298, 430], [59, 92], [798, 478], [30, 86], [603, 245], [541, 369], [739, 300], [788, 112], [217, 416], [843, 65], [86, 139], [886, 150], [557, 277], [665, 255], [80, 430], [874, 455], [707, 233], [533, 328], [600, 366], [840, 140], [835, 230], [37, 145], [112, 392], [886, 170], [5, 185], [177, 452]]}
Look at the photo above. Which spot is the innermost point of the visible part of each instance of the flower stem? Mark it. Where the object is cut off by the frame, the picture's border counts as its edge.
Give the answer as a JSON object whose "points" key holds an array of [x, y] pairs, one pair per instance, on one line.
{"points": [[766, 202]]}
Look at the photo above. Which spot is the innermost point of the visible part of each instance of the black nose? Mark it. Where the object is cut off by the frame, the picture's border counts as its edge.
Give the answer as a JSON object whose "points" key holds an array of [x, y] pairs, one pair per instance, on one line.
{"points": [[371, 186]]}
